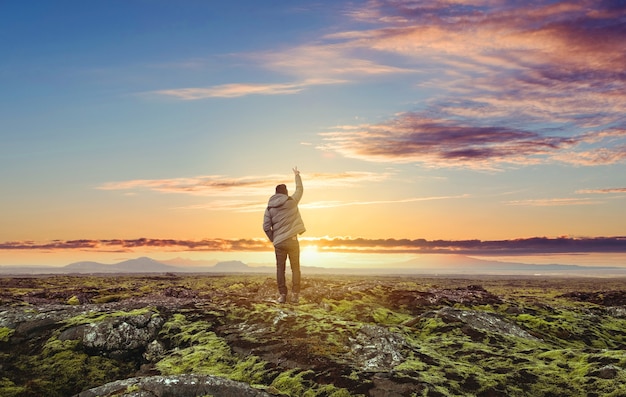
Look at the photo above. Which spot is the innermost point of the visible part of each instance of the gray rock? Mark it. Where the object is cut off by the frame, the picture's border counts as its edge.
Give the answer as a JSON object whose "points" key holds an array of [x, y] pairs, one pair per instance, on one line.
{"points": [[117, 336], [484, 321], [377, 349], [154, 351], [607, 372], [617, 311], [174, 386]]}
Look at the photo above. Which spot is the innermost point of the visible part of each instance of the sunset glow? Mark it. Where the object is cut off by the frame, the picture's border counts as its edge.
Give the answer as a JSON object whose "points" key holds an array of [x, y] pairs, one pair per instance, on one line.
{"points": [[491, 129]]}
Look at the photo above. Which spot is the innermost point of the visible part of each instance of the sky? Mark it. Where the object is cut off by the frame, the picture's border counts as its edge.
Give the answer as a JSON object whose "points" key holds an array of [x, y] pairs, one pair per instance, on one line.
{"points": [[488, 128]]}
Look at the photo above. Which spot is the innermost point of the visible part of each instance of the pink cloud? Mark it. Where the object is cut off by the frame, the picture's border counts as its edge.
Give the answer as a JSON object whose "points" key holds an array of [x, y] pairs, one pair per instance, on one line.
{"points": [[513, 73], [413, 138]]}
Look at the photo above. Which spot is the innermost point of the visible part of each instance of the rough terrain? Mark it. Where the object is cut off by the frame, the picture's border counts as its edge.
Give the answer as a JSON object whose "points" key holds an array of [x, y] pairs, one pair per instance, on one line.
{"points": [[201, 335]]}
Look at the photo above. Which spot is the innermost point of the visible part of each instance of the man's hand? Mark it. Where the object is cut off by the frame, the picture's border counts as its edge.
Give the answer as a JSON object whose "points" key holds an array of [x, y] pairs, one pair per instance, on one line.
{"points": [[295, 170]]}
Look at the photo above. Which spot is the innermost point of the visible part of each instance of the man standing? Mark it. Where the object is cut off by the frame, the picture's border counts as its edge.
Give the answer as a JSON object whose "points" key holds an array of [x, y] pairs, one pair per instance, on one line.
{"points": [[282, 224]]}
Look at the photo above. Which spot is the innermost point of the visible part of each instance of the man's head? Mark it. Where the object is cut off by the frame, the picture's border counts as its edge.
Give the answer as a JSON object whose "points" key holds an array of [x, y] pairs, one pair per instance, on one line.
{"points": [[282, 189]]}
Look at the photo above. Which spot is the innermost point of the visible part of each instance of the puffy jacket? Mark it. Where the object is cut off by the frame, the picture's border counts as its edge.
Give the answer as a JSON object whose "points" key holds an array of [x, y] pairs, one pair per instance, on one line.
{"points": [[282, 218]]}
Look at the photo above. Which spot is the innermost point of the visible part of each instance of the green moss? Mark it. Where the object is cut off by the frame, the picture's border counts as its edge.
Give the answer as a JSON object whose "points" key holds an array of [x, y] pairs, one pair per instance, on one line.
{"points": [[133, 388], [10, 389], [293, 383], [107, 299], [236, 287], [5, 333], [96, 317], [411, 365], [73, 301], [206, 353], [383, 315], [576, 340], [62, 369]]}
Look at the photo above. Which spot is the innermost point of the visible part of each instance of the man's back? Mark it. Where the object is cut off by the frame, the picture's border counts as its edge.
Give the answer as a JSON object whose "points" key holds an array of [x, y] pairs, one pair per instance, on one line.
{"points": [[282, 218]]}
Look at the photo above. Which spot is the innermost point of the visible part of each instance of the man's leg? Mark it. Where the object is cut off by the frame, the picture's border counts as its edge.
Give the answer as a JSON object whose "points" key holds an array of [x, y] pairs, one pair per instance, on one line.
{"points": [[294, 261], [281, 260]]}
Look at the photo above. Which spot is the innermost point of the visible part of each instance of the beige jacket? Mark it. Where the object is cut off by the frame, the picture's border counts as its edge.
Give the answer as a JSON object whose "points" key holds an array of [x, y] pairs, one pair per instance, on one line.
{"points": [[282, 220]]}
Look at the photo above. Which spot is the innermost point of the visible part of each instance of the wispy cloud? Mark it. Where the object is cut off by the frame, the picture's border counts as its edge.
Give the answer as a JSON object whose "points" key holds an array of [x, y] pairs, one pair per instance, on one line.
{"points": [[553, 202], [340, 62], [205, 185], [333, 204], [219, 185], [527, 246], [259, 206], [603, 191], [240, 89]]}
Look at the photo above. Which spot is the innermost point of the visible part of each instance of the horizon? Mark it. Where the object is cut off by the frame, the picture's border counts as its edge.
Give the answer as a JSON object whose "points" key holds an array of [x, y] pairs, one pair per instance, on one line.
{"points": [[431, 265], [442, 264], [490, 130]]}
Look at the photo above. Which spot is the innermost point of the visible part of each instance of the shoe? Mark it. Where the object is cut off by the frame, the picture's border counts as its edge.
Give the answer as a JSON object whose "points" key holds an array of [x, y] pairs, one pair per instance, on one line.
{"points": [[282, 298], [295, 298]]}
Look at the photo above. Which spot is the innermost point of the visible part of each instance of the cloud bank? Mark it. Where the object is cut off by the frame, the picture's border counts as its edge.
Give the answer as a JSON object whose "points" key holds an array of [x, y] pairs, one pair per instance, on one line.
{"points": [[527, 246]]}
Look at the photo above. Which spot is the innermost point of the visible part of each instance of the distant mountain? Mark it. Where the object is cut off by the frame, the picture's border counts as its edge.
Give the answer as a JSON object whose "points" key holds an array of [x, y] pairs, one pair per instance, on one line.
{"points": [[138, 265], [459, 264], [184, 262], [85, 266], [444, 264], [144, 265], [231, 266], [149, 265]]}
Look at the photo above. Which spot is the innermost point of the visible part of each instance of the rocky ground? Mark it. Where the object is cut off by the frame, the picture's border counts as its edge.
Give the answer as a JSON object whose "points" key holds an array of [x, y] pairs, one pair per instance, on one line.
{"points": [[201, 335]]}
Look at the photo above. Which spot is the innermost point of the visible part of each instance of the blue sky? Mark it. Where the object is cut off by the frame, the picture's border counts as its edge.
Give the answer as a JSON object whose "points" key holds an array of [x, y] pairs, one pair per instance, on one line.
{"points": [[444, 121]]}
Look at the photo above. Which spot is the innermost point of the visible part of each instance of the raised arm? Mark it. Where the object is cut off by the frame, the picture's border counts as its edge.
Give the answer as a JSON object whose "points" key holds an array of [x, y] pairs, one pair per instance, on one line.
{"points": [[297, 195]]}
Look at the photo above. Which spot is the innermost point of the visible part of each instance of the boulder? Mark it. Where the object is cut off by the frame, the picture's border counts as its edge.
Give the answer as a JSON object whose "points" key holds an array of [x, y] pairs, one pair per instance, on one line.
{"points": [[483, 321], [174, 386], [117, 336], [377, 349]]}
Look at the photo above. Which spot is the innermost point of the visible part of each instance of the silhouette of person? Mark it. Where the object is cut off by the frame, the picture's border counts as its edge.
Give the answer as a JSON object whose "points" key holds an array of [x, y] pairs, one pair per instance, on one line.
{"points": [[282, 224]]}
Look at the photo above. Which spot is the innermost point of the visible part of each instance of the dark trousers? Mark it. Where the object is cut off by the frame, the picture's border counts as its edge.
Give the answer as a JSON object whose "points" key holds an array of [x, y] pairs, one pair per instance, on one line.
{"points": [[288, 248]]}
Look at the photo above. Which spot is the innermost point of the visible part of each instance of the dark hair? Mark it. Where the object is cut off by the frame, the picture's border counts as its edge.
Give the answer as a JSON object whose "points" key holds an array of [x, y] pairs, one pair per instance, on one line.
{"points": [[282, 188]]}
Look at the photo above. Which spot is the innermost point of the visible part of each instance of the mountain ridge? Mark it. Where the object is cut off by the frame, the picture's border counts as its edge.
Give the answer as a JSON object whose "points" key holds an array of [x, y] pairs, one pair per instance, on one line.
{"points": [[432, 265]]}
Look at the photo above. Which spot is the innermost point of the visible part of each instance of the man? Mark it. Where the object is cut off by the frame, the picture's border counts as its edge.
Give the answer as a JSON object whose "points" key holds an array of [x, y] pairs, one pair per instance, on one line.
{"points": [[282, 224]]}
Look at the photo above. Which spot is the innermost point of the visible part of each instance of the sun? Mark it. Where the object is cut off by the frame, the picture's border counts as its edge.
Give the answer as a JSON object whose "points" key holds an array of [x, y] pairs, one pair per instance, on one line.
{"points": [[309, 255]]}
